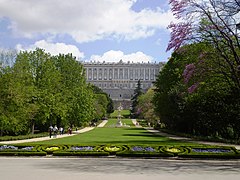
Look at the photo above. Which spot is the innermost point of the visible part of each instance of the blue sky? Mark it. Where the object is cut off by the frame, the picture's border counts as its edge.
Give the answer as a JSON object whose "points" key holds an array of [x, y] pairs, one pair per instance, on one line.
{"points": [[93, 30]]}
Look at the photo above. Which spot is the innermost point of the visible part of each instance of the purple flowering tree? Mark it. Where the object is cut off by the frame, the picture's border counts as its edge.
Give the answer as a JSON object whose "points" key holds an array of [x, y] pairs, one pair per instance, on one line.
{"points": [[188, 72], [214, 22]]}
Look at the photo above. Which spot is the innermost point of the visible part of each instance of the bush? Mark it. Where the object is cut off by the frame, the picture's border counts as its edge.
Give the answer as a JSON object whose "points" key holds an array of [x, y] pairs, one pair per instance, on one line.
{"points": [[142, 154], [29, 136], [21, 153], [174, 150], [211, 152], [49, 149], [81, 153], [208, 152]]}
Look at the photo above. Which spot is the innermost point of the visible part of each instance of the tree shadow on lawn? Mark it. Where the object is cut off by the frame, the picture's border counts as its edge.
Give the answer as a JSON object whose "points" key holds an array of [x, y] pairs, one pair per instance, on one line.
{"points": [[157, 142], [145, 134], [160, 138]]}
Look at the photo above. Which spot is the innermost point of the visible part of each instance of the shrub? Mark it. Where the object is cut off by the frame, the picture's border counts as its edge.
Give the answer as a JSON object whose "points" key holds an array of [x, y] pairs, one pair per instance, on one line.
{"points": [[80, 153], [211, 152], [51, 148], [21, 153], [174, 150]]}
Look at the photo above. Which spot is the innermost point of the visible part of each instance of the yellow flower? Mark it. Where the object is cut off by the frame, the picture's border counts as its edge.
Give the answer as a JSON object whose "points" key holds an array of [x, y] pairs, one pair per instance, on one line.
{"points": [[52, 148], [112, 149], [173, 150]]}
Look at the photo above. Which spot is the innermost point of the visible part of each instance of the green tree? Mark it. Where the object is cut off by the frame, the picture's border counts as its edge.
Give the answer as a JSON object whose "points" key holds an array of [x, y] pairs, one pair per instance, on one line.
{"points": [[40, 90], [110, 108], [76, 93], [193, 97], [147, 107], [137, 92]]}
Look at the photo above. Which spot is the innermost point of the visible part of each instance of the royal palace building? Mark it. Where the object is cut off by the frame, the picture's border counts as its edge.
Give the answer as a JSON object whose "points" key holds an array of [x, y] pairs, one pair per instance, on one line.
{"points": [[119, 80]]}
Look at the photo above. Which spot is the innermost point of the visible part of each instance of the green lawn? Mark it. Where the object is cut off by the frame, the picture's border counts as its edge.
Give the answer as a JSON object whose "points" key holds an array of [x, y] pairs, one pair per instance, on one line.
{"points": [[125, 113], [117, 136], [113, 122]]}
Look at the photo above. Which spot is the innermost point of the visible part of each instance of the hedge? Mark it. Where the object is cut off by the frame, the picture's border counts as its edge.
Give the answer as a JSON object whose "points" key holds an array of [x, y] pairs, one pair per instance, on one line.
{"points": [[21, 153], [211, 152], [74, 153], [121, 151]]}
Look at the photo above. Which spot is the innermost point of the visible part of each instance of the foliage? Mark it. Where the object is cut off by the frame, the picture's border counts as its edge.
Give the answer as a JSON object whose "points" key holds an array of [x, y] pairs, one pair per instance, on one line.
{"points": [[42, 90], [215, 23], [135, 111], [125, 113], [20, 137], [97, 91], [193, 97], [128, 151], [147, 107]]}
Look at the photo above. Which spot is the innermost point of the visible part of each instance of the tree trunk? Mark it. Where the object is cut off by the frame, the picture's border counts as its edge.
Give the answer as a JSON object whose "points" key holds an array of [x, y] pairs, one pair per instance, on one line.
{"points": [[33, 124]]}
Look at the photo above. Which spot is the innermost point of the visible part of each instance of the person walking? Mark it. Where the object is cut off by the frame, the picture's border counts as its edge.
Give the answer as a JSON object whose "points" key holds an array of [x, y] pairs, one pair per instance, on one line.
{"points": [[61, 130], [55, 131], [50, 131], [69, 130]]}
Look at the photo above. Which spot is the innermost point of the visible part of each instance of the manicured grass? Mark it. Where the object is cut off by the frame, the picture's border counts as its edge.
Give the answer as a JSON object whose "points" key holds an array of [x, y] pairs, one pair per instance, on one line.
{"points": [[125, 113], [116, 136], [126, 141], [113, 122]]}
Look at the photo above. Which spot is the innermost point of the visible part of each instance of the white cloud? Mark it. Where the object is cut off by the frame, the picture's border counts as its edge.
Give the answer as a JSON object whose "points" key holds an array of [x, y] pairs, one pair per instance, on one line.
{"points": [[116, 56], [84, 20], [53, 48]]}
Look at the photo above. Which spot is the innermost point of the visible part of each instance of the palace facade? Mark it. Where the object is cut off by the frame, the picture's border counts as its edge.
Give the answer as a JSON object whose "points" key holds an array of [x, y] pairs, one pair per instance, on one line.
{"points": [[119, 80]]}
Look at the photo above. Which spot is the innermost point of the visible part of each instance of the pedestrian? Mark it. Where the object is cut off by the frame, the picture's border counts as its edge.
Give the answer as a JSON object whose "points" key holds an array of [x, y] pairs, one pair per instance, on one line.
{"points": [[69, 130], [61, 130], [55, 131], [50, 131]]}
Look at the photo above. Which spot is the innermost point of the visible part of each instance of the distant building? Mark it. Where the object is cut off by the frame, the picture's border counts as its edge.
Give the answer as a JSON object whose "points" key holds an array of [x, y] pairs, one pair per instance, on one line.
{"points": [[119, 80]]}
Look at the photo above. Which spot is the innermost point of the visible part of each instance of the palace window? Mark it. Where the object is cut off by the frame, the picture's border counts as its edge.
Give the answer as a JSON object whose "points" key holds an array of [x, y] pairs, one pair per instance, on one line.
{"points": [[110, 74], [120, 73], [90, 74], [105, 74], [95, 74], [100, 74], [115, 73]]}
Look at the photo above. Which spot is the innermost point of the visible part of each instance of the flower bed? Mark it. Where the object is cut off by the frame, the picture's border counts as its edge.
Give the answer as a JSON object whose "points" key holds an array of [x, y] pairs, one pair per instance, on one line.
{"points": [[82, 148], [15, 148], [143, 151], [173, 150], [20, 150], [212, 152], [121, 150], [82, 151]]}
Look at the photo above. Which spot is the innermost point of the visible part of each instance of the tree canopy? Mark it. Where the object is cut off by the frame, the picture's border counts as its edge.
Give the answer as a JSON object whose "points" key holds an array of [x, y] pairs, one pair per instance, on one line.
{"points": [[40, 90]]}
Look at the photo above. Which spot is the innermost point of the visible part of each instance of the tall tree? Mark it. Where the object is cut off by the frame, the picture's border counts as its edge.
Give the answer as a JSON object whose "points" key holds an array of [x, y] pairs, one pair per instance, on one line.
{"points": [[146, 106], [40, 90], [214, 22], [137, 92]]}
